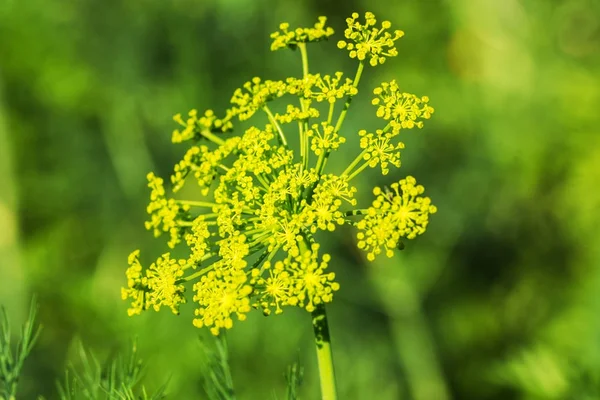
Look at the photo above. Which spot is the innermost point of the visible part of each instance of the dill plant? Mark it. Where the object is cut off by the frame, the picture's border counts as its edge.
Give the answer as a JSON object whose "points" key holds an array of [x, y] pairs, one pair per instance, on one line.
{"points": [[13, 360], [119, 378], [250, 233]]}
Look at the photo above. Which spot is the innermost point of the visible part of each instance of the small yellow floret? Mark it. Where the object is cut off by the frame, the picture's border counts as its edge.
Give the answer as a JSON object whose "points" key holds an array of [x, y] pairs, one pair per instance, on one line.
{"points": [[403, 110], [194, 127], [221, 294], [135, 289], [379, 150], [285, 38], [164, 287], [394, 215], [367, 41]]}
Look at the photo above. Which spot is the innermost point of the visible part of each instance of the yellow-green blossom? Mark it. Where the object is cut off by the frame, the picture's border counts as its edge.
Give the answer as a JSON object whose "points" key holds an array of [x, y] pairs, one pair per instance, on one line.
{"points": [[324, 211], [254, 95], [394, 215], [379, 150], [197, 240], [311, 284], [234, 250], [159, 286], [276, 289], [221, 294], [299, 281], [286, 38], [367, 41], [197, 128], [402, 110], [321, 88], [247, 231], [135, 289], [163, 282], [166, 215], [333, 88], [294, 113], [203, 164], [324, 138]]}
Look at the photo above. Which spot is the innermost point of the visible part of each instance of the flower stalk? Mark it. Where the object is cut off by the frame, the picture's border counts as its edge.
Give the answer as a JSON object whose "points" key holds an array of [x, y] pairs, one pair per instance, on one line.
{"points": [[324, 353]]}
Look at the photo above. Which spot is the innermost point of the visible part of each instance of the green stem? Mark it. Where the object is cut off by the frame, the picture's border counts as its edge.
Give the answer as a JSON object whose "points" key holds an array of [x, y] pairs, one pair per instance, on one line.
{"points": [[362, 211], [304, 55], [273, 252], [323, 157], [212, 137], [321, 161], [197, 203], [256, 231], [330, 114], [306, 145], [358, 171], [198, 273], [324, 354], [304, 106], [354, 163], [259, 238], [301, 135], [262, 181], [184, 223], [342, 116], [260, 260], [276, 125]]}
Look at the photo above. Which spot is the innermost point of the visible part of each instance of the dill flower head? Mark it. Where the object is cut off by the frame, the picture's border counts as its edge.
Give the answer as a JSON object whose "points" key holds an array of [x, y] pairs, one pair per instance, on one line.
{"points": [[193, 126], [366, 41], [393, 215], [286, 38], [135, 290], [402, 110], [250, 236]]}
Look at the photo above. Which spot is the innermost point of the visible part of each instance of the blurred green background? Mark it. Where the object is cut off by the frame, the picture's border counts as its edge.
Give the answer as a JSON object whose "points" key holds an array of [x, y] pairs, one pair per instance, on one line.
{"points": [[500, 299]]}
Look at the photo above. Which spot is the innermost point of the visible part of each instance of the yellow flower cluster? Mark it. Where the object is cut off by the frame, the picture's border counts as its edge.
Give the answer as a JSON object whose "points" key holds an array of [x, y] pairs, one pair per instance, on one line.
{"points": [[293, 113], [333, 88], [221, 294], [328, 197], [379, 149], [324, 138], [163, 282], [394, 215], [197, 240], [166, 215], [401, 109], [321, 88], [203, 163], [286, 38], [249, 235], [194, 127], [367, 41], [135, 290], [253, 95], [160, 286], [299, 281]]}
